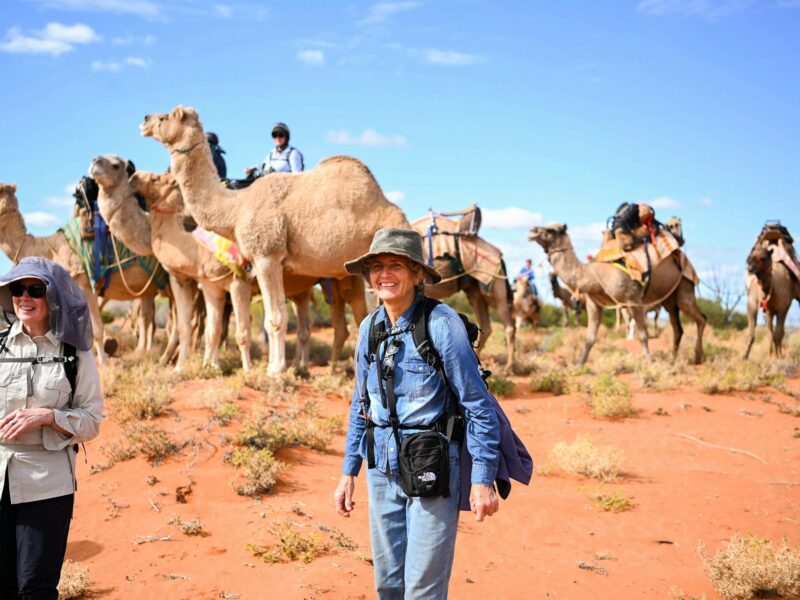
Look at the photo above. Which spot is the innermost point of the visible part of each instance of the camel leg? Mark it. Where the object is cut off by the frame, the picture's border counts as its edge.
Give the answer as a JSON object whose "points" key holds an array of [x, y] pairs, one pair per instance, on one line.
{"points": [[593, 318], [687, 302], [640, 321], [147, 322], [752, 318], [339, 323], [214, 297], [269, 273], [241, 294], [183, 294], [671, 306], [96, 318], [779, 331], [302, 354], [482, 313], [172, 334], [565, 316], [504, 312]]}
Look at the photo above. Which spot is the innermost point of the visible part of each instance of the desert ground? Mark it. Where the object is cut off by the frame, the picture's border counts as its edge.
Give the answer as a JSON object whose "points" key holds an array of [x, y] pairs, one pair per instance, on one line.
{"points": [[218, 484]]}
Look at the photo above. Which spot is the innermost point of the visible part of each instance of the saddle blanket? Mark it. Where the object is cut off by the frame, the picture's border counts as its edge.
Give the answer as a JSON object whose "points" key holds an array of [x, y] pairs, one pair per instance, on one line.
{"points": [[780, 254], [642, 259], [225, 251]]}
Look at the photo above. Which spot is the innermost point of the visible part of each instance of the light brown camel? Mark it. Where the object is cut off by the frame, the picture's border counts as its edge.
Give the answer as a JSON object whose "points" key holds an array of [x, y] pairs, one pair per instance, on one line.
{"points": [[186, 260], [305, 223], [772, 287], [17, 243], [569, 302], [526, 305], [606, 285], [498, 295]]}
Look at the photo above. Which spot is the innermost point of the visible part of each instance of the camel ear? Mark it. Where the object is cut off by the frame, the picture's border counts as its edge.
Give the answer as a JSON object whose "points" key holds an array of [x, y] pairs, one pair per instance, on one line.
{"points": [[561, 229], [178, 113]]}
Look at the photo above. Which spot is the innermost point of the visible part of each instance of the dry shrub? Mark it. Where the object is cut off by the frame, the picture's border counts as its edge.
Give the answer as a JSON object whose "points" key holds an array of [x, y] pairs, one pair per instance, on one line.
{"points": [[224, 412], [140, 439], [333, 384], [660, 375], [739, 376], [793, 347], [554, 381], [582, 457], [138, 389], [552, 341], [297, 426], [191, 528], [615, 501], [753, 567], [611, 398], [500, 386], [274, 386], [260, 467], [290, 545], [74, 582], [613, 359], [789, 410]]}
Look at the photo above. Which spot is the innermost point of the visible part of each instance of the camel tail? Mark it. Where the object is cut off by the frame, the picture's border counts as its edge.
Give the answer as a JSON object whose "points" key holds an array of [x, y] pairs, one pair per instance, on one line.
{"points": [[509, 292]]}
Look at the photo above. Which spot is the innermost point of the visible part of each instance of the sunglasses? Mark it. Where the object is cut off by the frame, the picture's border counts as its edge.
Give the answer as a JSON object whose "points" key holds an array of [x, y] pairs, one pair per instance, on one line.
{"points": [[35, 290], [278, 134]]}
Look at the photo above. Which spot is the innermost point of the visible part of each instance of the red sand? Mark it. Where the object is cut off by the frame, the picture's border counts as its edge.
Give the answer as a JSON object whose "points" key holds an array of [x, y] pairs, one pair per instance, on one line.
{"points": [[684, 493]]}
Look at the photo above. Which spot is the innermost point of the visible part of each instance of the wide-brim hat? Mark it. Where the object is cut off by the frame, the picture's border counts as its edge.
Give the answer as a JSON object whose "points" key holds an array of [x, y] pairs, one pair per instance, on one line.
{"points": [[391, 240]]}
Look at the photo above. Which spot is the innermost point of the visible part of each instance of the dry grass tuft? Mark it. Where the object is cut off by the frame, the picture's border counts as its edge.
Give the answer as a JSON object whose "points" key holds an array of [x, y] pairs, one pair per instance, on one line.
{"points": [[261, 470], [737, 376], [191, 528], [500, 386], [611, 398], [333, 384], [615, 501], [140, 439], [554, 381], [753, 567], [74, 582], [273, 386], [296, 426], [290, 545], [582, 457]]}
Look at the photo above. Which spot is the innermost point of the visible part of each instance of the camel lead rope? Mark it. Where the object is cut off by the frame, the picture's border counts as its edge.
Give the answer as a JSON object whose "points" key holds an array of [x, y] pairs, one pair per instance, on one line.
{"points": [[122, 275]]}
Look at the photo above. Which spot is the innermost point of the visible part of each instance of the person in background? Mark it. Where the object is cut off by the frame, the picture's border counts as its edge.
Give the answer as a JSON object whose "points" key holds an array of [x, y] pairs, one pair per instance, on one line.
{"points": [[528, 271], [53, 401], [283, 159], [216, 154]]}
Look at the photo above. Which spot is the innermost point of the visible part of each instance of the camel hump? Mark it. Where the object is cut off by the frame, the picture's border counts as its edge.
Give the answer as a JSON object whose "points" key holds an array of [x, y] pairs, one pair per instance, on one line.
{"points": [[344, 161]]}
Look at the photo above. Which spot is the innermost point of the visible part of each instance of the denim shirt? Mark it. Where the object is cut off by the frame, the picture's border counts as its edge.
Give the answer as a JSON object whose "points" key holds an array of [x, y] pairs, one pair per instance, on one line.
{"points": [[421, 395]]}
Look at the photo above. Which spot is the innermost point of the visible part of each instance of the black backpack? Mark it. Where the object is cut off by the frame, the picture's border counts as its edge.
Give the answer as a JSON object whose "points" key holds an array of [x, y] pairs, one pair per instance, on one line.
{"points": [[452, 422]]}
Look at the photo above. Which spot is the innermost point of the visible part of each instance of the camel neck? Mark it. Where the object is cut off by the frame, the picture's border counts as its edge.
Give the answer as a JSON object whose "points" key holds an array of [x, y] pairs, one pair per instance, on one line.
{"points": [[213, 206]]}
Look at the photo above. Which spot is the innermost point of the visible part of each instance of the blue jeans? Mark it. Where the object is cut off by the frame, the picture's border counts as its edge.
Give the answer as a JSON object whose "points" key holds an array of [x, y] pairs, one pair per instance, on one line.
{"points": [[413, 539]]}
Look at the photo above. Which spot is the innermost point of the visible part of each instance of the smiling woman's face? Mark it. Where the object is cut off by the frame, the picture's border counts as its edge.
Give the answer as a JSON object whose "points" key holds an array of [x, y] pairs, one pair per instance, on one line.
{"points": [[392, 278], [32, 312]]}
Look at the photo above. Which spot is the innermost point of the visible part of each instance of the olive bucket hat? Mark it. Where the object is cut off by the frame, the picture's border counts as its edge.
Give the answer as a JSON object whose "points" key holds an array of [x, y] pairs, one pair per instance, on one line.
{"points": [[390, 240]]}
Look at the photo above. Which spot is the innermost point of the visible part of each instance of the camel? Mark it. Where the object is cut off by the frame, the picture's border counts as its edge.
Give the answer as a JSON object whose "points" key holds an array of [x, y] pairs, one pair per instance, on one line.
{"points": [[186, 260], [606, 285], [17, 243], [569, 302], [626, 316], [526, 305], [498, 295], [307, 223], [772, 286]]}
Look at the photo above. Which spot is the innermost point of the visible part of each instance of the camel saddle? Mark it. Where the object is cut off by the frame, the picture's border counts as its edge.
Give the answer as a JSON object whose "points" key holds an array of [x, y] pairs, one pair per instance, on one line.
{"points": [[454, 250], [639, 261], [225, 251]]}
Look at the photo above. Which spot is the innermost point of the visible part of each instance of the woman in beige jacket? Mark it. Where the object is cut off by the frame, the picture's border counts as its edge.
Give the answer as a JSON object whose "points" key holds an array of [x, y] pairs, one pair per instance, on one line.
{"points": [[45, 411]]}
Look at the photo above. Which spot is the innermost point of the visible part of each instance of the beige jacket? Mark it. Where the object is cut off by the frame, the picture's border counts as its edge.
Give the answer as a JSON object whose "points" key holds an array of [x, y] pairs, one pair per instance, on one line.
{"points": [[40, 463]]}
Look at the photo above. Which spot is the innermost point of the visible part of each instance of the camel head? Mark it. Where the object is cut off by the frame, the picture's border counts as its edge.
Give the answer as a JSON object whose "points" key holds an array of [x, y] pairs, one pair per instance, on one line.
{"points": [[180, 128], [550, 237], [109, 171], [8, 197], [759, 261], [160, 192]]}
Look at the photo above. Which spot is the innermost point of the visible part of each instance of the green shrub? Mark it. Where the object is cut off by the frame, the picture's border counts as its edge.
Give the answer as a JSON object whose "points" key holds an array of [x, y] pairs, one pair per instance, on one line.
{"points": [[611, 398], [260, 467], [553, 381], [500, 386]]}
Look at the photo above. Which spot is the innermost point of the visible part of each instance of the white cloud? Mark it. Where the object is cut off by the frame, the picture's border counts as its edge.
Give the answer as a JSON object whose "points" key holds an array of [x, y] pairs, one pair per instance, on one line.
{"points": [[41, 219], [312, 57], [146, 40], [111, 66], [368, 137], [62, 201], [136, 61], [587, 235], [141, 8], [706, 202], [55, 39], [702, 8], [395, 196], [665, 202], [451, 58], [378, 13], [223, 10], [510, 218]]}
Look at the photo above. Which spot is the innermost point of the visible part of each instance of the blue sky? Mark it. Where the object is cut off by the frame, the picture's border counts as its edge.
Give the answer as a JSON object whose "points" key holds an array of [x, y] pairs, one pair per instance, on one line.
{"points": [[537, 111]]}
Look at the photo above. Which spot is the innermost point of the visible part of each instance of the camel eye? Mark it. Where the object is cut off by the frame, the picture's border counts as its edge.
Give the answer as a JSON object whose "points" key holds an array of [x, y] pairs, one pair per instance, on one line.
{"points": [[116, 166]]}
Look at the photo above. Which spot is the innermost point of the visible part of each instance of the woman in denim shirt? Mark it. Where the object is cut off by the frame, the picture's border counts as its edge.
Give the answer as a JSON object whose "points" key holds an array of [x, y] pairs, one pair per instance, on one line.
{"points": [[413, 539]]}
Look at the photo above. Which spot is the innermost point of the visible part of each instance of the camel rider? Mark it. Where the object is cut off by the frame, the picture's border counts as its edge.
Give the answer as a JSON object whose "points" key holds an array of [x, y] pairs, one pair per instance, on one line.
{"points": [[527, 270], [283, 159], [216, 154]]}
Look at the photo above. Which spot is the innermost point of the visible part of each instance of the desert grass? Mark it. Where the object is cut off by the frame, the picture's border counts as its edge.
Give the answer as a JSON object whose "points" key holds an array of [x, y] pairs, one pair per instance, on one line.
{"points": [[752, 567], [582, 457], [74, 582], [500, 386], [787, 409], [140, 439], [137, 388], [192, 527], [333, 384], [661, 373], [614, 501], [290, 545], [722, 376], [610, 358], [610, 398], [260, 469], [299, 425]]}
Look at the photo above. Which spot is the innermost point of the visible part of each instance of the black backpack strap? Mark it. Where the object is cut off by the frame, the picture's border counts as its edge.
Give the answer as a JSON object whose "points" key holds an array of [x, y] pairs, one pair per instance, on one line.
{"points": [[4, 340], [70, 354], [373, 333]]}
